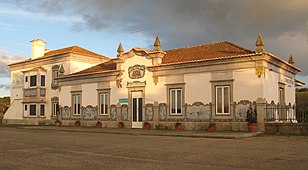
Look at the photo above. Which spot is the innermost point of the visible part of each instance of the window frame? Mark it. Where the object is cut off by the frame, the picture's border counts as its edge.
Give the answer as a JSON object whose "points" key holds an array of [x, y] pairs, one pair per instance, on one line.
{"points": [[222, 87], [76, 113], [54, 108], [44, 109], [43, 83], [175, 90], [170, 86], [34, 110], [107, 102], [30, 83], [55, 74]]}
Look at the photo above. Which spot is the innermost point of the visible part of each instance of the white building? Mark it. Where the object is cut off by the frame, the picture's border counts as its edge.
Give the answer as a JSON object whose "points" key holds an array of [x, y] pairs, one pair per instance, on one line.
{"points": [[34, 88], [192, 86]]}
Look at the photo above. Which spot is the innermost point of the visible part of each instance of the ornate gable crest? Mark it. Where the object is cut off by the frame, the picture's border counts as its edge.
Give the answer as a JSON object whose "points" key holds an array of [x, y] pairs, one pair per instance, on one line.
{"points": [[136, 71]]}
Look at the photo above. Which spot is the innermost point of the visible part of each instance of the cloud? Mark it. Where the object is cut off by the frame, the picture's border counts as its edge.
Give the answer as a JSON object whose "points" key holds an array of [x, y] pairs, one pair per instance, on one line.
{"points": [[5, 86], [180, 23], [6, 59]]}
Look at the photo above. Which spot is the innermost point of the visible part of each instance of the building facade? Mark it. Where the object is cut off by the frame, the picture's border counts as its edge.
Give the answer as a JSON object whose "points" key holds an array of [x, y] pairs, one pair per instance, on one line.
{"points": [[34, 88], [192, 86]]}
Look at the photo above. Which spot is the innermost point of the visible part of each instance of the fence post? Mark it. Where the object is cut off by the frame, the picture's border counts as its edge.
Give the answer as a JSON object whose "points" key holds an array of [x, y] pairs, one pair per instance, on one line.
{"points": [[261, 114]]}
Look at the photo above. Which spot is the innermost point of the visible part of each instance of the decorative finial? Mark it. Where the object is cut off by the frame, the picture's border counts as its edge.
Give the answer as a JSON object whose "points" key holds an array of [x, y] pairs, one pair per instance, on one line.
{"points": [[291, 60], [157, 44], [260, 44], [120, 50]]}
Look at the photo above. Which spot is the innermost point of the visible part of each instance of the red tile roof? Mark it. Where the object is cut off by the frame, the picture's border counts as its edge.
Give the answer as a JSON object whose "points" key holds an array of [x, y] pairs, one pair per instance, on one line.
{"points": [[67, 50], [204, 52], [74, 50]]}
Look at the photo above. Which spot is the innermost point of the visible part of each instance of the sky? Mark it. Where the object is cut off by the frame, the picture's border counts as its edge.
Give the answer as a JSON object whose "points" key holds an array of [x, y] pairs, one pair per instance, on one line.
{"points": [[100, 25]]}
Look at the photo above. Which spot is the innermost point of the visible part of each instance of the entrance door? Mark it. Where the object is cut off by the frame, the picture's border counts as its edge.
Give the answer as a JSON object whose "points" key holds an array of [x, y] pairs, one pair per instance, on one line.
{"points": [[137, 102]]}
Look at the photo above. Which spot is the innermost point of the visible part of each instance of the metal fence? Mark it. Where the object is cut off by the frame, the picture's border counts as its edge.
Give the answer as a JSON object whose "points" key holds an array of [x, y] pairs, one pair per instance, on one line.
{"points": [[286, 113]]}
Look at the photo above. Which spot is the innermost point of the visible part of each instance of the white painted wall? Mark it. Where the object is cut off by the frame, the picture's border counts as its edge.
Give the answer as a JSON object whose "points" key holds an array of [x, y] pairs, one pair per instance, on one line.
{"points": [[270, 86], [116, 93], [65, 96], [89, 94], [76, 66], [246, 85], [156, 92], [198, 88]]}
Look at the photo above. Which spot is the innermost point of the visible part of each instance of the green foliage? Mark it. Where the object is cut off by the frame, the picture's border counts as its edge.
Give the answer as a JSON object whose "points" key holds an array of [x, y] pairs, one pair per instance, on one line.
{"points": [[302, 97], [4, 104], [301, 89]]}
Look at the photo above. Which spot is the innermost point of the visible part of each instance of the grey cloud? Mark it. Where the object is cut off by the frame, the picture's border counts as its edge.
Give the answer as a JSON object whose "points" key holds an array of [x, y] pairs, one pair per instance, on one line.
{"points": [[5, 86], [6, 59], [4, 70], [179, 23]]}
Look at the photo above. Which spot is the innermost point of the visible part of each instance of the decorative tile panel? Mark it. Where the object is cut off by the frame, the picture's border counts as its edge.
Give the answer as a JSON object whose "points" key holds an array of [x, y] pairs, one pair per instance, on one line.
{"points": [[162, 111], [90, 112], [198, 111], [148, 112], [113, 112], [66, 111], [124, 112]]}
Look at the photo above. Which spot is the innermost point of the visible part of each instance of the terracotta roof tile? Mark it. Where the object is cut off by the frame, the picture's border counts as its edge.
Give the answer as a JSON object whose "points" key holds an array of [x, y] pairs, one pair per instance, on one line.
{"points": [[204, 52], [67, 50], [74, 50]]}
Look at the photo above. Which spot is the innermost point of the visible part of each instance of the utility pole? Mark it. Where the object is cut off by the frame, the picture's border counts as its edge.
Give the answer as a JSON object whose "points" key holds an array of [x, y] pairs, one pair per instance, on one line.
{"points": [[140, 36]]}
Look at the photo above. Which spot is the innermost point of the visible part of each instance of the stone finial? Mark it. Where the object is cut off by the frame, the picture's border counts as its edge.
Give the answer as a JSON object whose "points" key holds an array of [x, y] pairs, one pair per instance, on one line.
{"points": [[260, 44], [291, 60], [120, 50], [61, 70], [157, 44]]}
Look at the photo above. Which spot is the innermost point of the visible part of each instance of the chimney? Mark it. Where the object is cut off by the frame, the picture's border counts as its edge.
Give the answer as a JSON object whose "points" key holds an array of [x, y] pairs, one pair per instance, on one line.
{"points": [[38, 48]]}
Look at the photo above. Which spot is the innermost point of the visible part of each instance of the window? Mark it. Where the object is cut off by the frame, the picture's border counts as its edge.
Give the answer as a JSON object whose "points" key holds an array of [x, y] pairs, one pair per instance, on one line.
{"points": [[76, 104], [43, 80], [33, 81], [281, 93], [222, 99], [55, 108], [26, 79], [175, 101], [42, 110], [26, 107], [32, 109], [55, 75], [103, 103]]}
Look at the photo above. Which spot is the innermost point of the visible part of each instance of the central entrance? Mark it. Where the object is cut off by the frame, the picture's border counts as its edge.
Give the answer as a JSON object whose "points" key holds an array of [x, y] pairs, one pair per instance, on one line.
{"points": [[137, 102]]}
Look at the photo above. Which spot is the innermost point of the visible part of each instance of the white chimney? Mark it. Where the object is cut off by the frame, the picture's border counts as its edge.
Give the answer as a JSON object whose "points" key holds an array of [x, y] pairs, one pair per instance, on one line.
{"points": [[38, 48]]}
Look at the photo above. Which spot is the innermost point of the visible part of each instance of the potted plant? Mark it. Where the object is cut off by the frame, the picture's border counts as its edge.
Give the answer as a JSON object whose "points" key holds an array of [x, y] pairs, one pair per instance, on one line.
{"points": [[212, 127], [77, 123], [120, 125], [178, 126], [57, 123], [98, 124], [251, 119], [147, 125]]}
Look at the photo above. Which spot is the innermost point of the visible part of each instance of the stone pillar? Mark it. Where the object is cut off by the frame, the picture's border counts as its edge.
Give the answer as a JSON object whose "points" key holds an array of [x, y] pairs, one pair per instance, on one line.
{"points": [[261, 114], [155, 114], [119, 114]]}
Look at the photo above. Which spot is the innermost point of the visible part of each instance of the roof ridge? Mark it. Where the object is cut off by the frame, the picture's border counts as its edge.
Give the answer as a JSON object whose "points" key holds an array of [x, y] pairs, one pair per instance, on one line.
{"points": [[196, 46], [237, 46], [76, 46]]}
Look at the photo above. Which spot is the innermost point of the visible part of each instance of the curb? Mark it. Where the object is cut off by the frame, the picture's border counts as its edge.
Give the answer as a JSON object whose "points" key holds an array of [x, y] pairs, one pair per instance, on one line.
{"points": [[136, 133]]}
